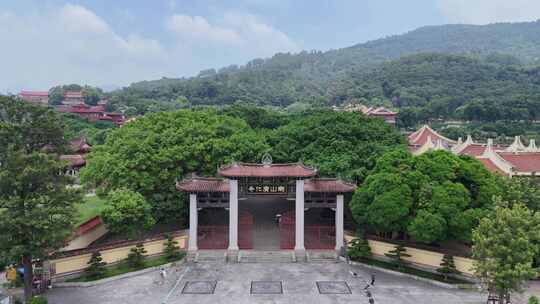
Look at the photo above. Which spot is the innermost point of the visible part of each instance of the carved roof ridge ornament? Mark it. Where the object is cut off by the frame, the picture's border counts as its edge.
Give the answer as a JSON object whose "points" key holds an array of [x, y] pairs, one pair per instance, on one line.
{"points": [[266, 160], [516, 146]]}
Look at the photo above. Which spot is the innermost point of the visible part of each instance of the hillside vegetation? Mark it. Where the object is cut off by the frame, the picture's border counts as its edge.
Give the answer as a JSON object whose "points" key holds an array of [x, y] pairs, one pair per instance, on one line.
{"points": [[435, 69]]}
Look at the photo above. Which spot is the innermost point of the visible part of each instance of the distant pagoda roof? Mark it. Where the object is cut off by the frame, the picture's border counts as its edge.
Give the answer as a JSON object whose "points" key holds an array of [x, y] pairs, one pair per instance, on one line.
{"points": [[35, 93], [74, 160], [267, 170], [426, 133]]}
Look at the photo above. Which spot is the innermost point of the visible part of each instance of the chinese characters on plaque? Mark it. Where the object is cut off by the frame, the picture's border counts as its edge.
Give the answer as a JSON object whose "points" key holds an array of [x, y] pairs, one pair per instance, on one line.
{"points": [[270, 189]]}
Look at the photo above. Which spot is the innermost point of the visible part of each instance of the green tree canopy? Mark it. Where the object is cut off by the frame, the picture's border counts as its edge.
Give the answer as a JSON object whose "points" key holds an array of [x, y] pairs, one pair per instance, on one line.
{"points": [[521, 190], [337, 143], [91, 95], [127, 213], [256, 117], [149, 154], [433, 197], [36, 204], [505, 244]]}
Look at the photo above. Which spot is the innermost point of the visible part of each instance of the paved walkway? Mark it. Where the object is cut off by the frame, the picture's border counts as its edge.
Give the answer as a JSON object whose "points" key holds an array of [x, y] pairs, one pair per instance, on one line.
{"points": [[234, 285]]}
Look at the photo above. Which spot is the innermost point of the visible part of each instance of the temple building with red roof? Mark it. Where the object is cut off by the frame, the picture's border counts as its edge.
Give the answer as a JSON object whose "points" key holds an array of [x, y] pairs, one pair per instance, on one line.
{"points": [[242, 183], [73, 98], [514, 160], [93, 113], [38, 97], [76, 159], [380, 112]]}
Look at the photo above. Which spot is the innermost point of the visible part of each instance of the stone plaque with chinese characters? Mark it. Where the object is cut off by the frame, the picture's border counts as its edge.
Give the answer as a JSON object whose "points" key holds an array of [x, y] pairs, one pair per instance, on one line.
{"points": [[267, 189]]}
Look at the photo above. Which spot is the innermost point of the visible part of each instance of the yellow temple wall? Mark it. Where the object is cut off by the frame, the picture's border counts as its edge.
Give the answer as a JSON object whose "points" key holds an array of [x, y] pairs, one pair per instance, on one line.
{"points": [[78, 262]]}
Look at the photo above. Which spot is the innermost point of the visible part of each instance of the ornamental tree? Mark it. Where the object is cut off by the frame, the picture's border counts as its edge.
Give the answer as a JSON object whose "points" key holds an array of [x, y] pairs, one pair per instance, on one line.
{"points": [[448, 266], [36, 204], [135, 258], [127, 212], [505, 244], [149, 154], [358, 248], [172, 251], [96, 266], [397, 254], [433, 197]]}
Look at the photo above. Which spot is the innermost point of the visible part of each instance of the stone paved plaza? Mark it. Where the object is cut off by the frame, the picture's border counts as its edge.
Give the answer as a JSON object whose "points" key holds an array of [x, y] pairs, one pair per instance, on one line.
{"points": [[234, 283]]}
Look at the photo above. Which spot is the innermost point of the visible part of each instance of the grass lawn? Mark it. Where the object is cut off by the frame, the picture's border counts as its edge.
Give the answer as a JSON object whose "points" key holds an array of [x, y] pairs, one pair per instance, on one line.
{"points": [[123, 267], [414, 271], [90, 207]]}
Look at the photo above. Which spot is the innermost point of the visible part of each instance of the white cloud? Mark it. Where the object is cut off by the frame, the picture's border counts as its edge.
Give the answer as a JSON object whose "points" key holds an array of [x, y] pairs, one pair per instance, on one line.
{"points": [[234, 31], [198, 28], [71, 44], [489, 11]]}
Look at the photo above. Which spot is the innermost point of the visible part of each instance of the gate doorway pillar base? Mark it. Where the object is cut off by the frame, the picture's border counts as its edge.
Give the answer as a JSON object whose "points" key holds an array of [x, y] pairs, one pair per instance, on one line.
{"points": [[300, 255], [232, 256]]}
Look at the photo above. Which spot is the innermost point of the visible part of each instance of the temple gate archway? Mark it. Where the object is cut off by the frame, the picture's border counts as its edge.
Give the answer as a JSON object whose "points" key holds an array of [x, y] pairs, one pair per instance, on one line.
{"points": [[243, 188]]}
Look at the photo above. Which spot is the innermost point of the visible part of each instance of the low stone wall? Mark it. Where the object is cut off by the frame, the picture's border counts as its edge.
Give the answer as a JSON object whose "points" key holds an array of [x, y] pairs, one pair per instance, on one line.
{"points": [[71, 262], [420, 257]]}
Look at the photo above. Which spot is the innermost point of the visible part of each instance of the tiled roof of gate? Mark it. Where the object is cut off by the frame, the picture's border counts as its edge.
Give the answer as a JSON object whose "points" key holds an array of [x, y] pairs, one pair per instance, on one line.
{"points": [[328, 185], [201, 184], [262, 170]]}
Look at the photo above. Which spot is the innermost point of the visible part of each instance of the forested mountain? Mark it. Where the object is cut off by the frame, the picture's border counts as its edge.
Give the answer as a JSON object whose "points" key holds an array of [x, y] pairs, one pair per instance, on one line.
{"points": [[433, 86], [493, 60]]}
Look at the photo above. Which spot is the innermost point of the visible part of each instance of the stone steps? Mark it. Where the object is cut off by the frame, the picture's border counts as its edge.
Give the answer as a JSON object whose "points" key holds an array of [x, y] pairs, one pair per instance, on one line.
{"points": [[266, 257], [207, 256], [261, 256], [325, 256]]}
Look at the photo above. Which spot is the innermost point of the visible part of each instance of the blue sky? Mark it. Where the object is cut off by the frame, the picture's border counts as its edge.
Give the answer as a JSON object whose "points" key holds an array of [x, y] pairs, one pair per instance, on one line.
{"points": [[106, 42]]}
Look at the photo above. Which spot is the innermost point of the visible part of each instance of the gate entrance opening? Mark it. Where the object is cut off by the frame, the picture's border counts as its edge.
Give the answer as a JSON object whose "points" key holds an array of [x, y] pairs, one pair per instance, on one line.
{"points": [[266, 211]]}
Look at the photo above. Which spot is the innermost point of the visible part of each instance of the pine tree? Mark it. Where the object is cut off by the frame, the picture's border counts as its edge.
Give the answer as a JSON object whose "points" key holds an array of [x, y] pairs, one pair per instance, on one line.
{"points": [[447, 266], [96, 268], [135, 257], [397, 255], [358, 249], [172, 251]]}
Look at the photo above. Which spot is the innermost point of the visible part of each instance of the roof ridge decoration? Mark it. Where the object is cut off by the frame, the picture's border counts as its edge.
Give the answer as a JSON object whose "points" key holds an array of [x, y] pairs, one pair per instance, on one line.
{"points": [[267, 170], [532, 146], [439, 145], [266, 159], [428, 145], [496, 159], [489, 147], [416, 135], [459, 147], [516, 146]]}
